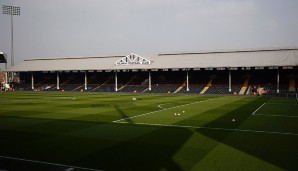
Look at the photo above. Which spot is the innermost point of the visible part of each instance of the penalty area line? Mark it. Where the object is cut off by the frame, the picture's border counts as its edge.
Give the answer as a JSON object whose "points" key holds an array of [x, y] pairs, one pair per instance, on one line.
{"points": [[48, 163], [159, 106], [213, 128], [286, 116], [164, 109], [258, 108]]}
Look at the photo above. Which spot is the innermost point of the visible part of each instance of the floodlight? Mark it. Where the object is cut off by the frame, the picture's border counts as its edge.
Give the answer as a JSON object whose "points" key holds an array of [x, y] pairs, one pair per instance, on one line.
{"points": [[11, 10]]}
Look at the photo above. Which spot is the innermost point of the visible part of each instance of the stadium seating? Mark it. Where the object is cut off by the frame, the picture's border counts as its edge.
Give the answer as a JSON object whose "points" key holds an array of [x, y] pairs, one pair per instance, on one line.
{"points": [[223, 89], [163, 88], [193, 89], [134, 88], [164, 81], [105, 88]]}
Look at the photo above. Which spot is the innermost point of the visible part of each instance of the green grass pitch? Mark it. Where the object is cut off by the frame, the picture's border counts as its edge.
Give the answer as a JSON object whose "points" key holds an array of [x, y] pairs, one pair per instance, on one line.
{"points": [[81, 131]]}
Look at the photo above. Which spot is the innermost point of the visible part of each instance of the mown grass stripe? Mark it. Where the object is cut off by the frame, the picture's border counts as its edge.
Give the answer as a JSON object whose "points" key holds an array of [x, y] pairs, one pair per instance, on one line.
{"points": [[161, 110]]}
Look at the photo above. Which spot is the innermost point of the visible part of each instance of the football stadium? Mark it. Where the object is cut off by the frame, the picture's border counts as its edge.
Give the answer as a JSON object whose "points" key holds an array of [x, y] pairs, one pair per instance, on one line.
{"points": [[204, 110]]}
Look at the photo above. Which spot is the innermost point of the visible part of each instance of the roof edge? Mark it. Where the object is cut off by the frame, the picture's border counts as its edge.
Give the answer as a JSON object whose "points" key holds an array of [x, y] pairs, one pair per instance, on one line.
{"points": [[62, 58], [231, 50]]}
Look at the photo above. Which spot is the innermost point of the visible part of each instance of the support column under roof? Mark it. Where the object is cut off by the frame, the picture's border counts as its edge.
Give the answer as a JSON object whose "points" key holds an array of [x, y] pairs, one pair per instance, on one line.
{"points": [[32, 81], [277, 86], [230, 82], [58, 80], [187, 85], [116, 82], [149, 81], [86, 80]]}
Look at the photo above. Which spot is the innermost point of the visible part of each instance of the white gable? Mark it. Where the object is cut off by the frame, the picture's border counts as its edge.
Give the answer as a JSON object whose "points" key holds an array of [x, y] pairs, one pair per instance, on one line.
{"points": [[133, 59]]}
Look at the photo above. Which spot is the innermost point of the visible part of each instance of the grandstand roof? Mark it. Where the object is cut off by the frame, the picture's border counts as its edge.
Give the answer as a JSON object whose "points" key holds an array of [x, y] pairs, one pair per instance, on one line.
{"points": [[266, 57], [2, 57]]}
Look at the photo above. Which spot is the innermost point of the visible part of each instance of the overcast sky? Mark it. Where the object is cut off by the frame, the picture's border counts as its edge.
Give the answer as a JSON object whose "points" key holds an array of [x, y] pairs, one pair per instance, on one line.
{"points": [[59, 28]]}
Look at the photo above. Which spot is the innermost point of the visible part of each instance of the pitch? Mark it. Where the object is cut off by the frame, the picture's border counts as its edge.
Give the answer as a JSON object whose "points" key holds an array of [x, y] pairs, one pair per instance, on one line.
{"points": [[81, 131]]}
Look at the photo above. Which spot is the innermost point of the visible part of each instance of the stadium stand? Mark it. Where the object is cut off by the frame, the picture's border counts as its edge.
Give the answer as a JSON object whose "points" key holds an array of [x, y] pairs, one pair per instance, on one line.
{"points": [[161, 82], [203, 72]]}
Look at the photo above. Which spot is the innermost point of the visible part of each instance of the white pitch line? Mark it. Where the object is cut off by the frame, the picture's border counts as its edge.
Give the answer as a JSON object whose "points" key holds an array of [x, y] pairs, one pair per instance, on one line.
{"points": [[161, 110], [159, 106], [281, 104], [47, 163], [287, 116], [214, 128], [258, 108]]}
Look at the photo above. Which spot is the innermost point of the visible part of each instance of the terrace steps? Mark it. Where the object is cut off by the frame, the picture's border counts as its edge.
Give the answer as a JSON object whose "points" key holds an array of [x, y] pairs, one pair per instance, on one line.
{"points": [[125, 84], [79, 87], [207, 87], [244, 87], [101, 85], [180, 87], [292, 84]]}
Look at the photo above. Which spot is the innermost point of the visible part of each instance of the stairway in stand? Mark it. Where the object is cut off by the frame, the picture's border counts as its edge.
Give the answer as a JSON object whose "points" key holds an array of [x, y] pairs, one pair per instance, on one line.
{"points": [[180, 87], [207, 87], [292, 85], [244, 87]]}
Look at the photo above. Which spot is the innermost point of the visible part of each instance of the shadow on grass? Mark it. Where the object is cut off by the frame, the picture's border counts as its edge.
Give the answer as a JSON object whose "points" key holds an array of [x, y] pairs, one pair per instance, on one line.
{"points": [[88, 144], [276, 149], [24, 130], [123, 115], [151, 151]]}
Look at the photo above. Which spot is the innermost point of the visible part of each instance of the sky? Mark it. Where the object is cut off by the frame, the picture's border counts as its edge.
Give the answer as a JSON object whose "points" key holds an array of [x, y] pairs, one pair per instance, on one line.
{"points": [[69, 28]]}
